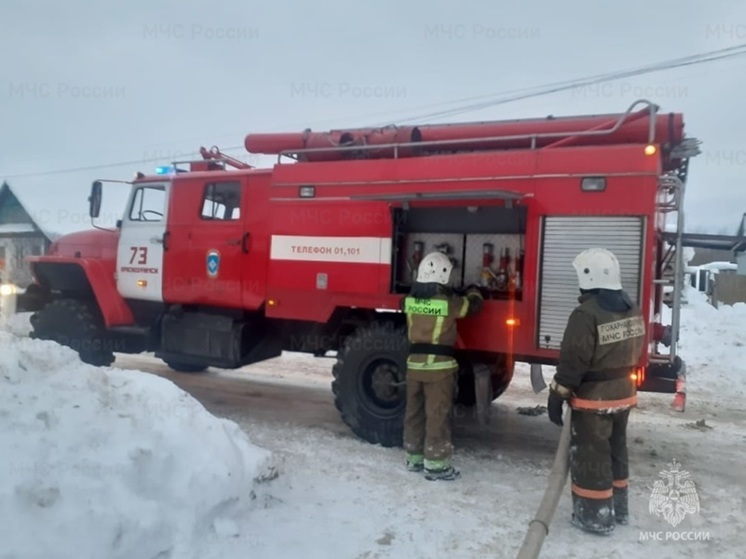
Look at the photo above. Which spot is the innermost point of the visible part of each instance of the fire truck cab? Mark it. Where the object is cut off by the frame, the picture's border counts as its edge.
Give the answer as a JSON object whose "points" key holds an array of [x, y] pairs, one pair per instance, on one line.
{"points": [[218, 264]]}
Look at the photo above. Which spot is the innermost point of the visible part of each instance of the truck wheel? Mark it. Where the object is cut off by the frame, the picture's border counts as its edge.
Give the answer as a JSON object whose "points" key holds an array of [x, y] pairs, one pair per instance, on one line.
{"points": [[502, 375], [185, 367], [77, 325], [370, 383]]}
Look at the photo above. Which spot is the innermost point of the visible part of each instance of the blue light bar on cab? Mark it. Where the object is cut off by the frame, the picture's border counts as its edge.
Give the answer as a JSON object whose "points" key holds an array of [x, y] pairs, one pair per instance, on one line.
{"points": [[165, 170]]}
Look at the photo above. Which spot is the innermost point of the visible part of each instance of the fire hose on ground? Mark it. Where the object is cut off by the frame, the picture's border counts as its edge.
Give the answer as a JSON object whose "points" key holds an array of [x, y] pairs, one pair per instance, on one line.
{"points": [[538, 528]]}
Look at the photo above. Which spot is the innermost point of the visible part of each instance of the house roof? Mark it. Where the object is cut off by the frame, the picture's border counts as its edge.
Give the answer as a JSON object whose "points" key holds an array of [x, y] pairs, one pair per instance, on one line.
{"points": [[28, 224]]}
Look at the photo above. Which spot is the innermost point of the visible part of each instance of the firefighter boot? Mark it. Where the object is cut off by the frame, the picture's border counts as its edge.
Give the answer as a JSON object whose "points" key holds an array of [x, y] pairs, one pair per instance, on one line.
{"points": [[446, 474], [621, 505], [593, 515], [415, 462]]}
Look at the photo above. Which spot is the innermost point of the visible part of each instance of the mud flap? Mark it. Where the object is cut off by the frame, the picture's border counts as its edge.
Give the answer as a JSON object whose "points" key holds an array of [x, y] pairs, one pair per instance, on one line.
{"points": [[537, 378], [483, 391]]}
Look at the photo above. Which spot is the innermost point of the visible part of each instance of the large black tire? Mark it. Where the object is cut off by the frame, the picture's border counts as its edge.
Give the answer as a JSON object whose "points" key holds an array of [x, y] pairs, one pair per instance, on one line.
{"points": [[185, 367], [370, 383], [77, 325], [501, 377]]}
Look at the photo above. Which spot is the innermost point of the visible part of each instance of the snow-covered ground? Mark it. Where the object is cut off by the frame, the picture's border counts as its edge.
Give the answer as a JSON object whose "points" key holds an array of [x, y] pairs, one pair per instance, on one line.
{"points": [[336, 496], [106, 463]]}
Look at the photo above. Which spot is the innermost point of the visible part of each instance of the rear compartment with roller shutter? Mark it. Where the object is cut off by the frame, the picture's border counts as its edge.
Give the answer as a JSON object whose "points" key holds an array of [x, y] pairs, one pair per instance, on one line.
{"points": [[562, 239]]}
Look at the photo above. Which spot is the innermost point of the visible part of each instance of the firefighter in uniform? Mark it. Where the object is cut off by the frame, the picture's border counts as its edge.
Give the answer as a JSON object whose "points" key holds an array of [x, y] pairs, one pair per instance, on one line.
{"points": [[601, 346], [432, 309]]}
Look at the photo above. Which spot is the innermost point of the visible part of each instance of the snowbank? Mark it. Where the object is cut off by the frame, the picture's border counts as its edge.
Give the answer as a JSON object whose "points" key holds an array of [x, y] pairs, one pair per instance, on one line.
{"points": [[19, 324], [110, 463], [713, 345]]}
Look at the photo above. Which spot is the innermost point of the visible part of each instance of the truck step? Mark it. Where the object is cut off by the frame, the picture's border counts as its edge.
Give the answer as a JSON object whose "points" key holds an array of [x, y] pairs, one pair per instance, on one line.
{"points": [[218, 341]]}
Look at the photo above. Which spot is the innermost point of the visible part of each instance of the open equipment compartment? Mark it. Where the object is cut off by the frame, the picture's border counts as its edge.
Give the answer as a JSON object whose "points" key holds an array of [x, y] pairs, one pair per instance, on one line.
{"points": [[485, 243]]}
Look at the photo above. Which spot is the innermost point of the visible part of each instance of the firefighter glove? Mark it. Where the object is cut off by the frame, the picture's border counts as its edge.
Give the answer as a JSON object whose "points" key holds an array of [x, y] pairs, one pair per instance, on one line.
{"points": [[474, 291], [558, 394], [554, 407], [467, 289]]}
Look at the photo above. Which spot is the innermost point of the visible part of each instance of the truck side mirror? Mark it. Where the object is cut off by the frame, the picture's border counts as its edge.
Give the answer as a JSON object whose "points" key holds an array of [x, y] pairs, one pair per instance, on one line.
{"points": [[94, 200]]}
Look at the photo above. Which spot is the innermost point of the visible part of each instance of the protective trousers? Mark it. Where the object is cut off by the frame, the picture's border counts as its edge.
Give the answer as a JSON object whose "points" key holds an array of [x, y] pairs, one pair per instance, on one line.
{"points": [[599, 469], [427, 423]]}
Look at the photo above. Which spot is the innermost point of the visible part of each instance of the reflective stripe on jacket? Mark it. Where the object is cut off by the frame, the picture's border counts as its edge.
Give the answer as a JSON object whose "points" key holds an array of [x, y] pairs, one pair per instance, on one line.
{"points": [[599, 351], [433, 321]]}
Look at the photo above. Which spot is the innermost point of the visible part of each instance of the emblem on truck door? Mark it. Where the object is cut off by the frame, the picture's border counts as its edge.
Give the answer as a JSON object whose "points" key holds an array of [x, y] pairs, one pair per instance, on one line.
{"points": [[213, 263]]}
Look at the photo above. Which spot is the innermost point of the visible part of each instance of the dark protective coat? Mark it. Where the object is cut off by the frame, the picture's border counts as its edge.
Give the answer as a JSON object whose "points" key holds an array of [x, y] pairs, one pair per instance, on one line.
{"points": [[602, 344]]}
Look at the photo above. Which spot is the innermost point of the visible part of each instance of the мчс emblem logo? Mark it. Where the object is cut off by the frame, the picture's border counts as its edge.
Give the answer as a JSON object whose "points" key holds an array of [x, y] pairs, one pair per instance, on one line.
{"points": [[213, 263], [674, 495]]}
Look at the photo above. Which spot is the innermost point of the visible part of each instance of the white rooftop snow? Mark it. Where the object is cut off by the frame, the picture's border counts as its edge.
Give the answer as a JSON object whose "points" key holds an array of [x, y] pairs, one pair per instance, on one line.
{"points": [[38, 211], [9, 228], [716, 266]]}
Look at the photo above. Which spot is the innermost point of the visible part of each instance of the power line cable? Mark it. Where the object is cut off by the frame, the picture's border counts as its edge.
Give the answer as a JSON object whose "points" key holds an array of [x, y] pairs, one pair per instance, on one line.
{"points": [[582, 82], [512, 95]]}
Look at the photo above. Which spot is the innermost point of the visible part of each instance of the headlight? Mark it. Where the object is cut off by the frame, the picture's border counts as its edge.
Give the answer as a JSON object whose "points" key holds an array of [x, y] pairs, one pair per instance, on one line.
{"points": [[7, 289]]}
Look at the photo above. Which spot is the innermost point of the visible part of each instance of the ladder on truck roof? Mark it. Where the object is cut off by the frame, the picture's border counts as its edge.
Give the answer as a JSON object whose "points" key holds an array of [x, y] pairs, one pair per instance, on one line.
{"points": [[670, 272], [672, 187], [668, 372], [671, 266]]}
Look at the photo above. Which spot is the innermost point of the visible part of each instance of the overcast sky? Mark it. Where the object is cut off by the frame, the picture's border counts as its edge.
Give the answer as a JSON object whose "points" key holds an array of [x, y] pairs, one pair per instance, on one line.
{"points": [[88, 83]]}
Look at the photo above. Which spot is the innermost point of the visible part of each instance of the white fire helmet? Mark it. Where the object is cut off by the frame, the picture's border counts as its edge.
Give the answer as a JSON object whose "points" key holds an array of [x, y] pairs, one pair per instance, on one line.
{"points": [[436, 267], [597, 268]]}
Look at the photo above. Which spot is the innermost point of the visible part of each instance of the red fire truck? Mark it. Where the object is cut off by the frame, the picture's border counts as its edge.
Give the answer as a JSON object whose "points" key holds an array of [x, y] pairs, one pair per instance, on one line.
{"points": [[219, 264]]}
